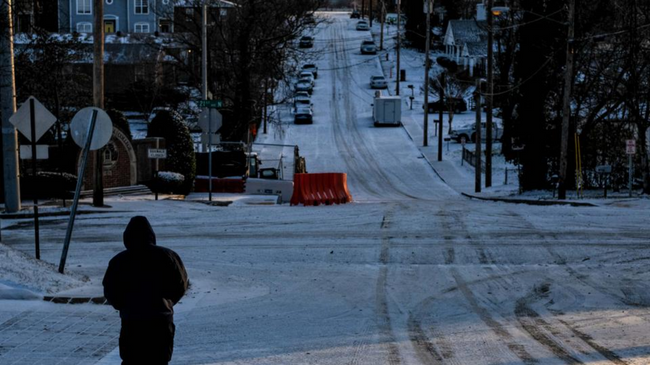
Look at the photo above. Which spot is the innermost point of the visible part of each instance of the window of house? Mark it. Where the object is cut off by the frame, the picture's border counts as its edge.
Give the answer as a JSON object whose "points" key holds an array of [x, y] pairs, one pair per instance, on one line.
{"points": [[84, 7], [84, 27], [141, 27], [141, 6]]}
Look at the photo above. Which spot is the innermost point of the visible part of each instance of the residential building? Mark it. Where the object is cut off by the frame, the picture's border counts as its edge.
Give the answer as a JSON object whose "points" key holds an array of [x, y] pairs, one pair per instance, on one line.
{"points": [[124, 16], [465, 42], [132, 16]]}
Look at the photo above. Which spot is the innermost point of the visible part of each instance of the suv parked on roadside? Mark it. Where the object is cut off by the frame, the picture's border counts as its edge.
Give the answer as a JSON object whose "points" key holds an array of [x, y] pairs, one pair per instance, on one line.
{"points": [[458, 105], [468, 132], [311, 68]]}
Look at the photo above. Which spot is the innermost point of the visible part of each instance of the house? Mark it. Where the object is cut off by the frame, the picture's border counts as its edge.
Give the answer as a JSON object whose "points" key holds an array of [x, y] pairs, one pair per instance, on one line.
{"points": [[124, 16], [129, 16], [465, 42]]}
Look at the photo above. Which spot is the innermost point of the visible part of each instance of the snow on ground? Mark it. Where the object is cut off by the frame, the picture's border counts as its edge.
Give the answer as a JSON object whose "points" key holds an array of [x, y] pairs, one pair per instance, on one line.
{"points": [[411, 272]]}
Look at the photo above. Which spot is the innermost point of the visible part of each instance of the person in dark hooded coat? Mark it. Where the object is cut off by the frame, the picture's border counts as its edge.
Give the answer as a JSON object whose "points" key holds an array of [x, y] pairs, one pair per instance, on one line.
{"points": [[144, 282]]}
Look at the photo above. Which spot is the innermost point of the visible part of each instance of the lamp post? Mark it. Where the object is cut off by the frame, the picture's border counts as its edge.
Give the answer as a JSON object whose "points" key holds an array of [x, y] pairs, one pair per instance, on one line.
{"points": [[477, 138]]}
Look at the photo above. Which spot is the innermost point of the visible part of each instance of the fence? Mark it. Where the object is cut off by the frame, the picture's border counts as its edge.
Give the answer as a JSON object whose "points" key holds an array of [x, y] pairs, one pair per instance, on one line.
{"points": [[470, 157]]}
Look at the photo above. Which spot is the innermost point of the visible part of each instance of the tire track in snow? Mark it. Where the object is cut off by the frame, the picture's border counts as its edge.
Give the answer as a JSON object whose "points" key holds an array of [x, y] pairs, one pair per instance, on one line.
{"points": [[381, 298], [366, 168], [533, 323]]}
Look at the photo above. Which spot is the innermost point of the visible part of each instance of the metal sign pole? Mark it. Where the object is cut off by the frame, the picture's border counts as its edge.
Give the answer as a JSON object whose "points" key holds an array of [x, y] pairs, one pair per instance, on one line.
{"points": [[157, 167], [32, 117], [210, 155], [75, 203], [629, 172]]}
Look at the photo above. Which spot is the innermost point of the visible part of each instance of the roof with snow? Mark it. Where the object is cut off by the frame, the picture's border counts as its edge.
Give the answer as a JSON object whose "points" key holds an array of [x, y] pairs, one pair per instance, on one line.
{"points": [[465, 31]]}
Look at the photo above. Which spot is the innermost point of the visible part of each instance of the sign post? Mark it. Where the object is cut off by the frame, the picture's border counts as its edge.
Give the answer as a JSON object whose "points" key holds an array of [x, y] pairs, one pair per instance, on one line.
{"points": [[210, 121], [630, 150], [33, 120], [156, 154], [93, 137]]}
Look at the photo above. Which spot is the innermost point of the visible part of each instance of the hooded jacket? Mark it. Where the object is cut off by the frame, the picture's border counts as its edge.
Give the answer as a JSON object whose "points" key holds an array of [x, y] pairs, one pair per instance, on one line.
{"points": [[145, 281]]}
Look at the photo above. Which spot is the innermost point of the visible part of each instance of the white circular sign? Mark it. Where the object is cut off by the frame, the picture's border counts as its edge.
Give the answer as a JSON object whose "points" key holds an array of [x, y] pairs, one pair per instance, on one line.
{"points": [[102, 132]]}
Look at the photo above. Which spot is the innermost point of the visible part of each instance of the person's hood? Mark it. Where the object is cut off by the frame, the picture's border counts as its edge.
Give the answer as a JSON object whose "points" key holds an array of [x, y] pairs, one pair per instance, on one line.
{"points": [[138, 233]]}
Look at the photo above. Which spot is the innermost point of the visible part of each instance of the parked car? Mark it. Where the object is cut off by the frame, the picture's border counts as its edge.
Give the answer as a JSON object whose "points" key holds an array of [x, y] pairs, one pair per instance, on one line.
{"points": [[308, 75], [378, 82], [309, 19], [458, 105], [301, 93], [468, 132], [355, 14], [311, 68], [306, 42], [362, 25], [301, 100], [304, 85], [368, 47], [303, 115]]}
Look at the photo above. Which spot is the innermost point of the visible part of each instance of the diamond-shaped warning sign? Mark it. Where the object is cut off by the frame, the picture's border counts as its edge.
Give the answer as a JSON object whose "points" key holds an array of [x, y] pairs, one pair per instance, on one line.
{"points": [[43, 119]]}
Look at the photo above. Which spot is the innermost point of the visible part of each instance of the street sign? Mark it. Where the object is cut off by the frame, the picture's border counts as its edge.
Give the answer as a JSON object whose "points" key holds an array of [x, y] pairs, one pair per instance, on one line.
{"points": [[101, 133], [630, 146], [604, 169], [215, 140], [41, 152], [210, 103], [42, 117], [210, 120], [157, 153]]}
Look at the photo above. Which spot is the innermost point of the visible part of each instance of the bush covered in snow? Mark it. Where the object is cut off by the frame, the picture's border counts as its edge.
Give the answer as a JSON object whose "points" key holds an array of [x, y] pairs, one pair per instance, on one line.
{"points": [[167, 182], [180, 147]]}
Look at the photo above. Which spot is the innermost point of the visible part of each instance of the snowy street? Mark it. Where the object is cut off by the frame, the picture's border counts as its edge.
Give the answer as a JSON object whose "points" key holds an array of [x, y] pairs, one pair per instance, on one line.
{"points": [[410, 273]]}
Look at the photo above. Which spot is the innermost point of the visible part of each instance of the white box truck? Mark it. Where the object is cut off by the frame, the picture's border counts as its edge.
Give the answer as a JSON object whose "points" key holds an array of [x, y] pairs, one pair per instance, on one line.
{"points": [[387, 110]]}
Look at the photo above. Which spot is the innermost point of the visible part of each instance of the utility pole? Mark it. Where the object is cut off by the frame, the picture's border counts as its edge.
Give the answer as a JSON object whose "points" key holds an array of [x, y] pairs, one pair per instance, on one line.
{"points": [[7, 109], [370, 13], [427, 66], [98, 94], [488, 101], [477, 138], [399, 43], [204, 52], [363, 9], [382, 15], [566, 108], [443, 85]]}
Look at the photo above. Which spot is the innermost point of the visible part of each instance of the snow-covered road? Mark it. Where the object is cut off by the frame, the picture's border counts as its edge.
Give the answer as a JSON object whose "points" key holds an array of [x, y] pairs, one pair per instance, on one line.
{"points": [[410, 273]]}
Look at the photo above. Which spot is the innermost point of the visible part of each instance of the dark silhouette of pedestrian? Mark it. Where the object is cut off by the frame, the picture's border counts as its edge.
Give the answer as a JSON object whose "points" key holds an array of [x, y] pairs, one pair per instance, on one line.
{"points": [[144, 282]]}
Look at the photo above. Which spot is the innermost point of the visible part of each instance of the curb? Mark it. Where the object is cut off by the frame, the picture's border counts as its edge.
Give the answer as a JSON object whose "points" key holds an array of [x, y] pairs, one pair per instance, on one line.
{"points": [[530, 202], [76, 300]]}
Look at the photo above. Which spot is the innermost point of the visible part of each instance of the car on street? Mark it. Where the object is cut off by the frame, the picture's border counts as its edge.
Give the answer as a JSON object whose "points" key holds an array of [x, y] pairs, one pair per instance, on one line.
{"points": [[304, 85], [303, 115], [362, 25], [311, 68], [306, 41], [355, 14], [308, 75], [378, 82], [301, 98], [468, 132], [368, 47], [458, 105]]}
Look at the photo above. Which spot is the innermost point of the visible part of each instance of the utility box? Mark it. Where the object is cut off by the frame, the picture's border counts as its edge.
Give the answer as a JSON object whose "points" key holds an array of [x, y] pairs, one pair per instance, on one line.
{"points": [[387, 111]]}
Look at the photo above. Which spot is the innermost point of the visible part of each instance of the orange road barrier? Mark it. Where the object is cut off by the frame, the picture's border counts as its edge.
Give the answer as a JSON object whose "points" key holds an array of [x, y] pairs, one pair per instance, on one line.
{"points": [[320, 188], [219, 185]]}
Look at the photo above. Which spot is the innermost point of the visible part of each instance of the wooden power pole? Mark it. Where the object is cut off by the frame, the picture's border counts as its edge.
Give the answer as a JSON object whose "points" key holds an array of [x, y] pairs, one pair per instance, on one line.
{"points": [[98, 94], [566, 108]]}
